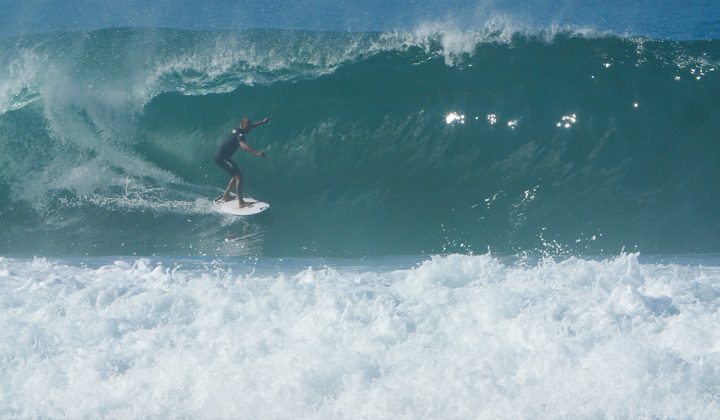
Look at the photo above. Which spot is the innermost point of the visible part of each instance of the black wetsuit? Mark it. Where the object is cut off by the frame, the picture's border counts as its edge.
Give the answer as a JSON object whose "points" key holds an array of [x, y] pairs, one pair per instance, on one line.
{"points": [[226, 150]]}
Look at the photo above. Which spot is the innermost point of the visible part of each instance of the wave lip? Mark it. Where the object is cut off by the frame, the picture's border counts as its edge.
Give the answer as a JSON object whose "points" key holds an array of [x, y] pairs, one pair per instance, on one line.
{"points": [[147, 62], [144, 63]]}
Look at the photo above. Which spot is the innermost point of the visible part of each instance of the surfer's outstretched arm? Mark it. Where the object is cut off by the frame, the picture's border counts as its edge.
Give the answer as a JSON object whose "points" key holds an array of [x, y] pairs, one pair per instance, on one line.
{"points": [[259, 123], [246, 147]]}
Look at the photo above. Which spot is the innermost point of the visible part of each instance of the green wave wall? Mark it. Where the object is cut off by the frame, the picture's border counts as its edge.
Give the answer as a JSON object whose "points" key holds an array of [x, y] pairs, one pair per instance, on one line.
{"points": [[380, 143]]}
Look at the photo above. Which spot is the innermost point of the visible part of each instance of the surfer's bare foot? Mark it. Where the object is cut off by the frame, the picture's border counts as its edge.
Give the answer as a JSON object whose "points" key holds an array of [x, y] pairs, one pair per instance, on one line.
{"points": [[244, 204]]}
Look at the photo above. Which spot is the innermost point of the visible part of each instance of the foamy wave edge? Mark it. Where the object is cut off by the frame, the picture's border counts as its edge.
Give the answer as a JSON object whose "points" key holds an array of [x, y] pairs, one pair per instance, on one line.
{"points": [[229, 60], [455, 336]]}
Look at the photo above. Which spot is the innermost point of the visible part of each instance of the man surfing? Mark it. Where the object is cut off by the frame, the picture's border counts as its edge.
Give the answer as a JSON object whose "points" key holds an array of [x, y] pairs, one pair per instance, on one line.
{"points": [[225, 152]]}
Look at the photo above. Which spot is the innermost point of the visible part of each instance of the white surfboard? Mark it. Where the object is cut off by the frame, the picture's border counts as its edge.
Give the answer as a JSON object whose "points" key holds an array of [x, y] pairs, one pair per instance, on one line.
{"points": [[232, 207]]}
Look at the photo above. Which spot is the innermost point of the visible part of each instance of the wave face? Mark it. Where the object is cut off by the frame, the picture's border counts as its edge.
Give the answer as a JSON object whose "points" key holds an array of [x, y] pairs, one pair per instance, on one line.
{"points": [[452, 336], [381, 143]]}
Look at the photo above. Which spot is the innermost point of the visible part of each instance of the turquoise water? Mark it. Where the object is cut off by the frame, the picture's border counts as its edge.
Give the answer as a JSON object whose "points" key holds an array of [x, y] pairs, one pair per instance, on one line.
{"points": [[664, 19], [380, 144], [505, 211]]}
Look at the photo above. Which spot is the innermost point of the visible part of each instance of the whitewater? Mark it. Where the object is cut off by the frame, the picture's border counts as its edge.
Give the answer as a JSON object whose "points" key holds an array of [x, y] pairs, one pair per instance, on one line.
{"points": [[448, 337]]}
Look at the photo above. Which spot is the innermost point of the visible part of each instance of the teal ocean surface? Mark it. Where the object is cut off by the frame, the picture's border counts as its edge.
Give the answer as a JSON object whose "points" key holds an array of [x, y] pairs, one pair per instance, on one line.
{"points": [[380, 144]]}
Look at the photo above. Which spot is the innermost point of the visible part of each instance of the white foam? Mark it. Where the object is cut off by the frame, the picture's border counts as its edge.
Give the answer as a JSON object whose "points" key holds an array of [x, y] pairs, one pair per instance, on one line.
{"points": [[456, 337], [456, 39], [19, 83], [233, 60]]}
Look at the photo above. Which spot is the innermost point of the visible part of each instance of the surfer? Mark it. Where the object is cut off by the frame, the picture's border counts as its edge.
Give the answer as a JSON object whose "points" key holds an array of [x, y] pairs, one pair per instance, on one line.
{"points": [[225, 152]]}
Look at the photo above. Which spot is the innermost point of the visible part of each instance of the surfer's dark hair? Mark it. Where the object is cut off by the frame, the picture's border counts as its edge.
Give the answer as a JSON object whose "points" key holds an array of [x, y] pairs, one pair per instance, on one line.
{"points": [[245, 121]]}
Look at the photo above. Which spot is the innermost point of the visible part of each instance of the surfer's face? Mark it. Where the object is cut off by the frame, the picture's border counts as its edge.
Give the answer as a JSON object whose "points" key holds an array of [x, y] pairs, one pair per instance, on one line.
{"points": [[244, 123]]}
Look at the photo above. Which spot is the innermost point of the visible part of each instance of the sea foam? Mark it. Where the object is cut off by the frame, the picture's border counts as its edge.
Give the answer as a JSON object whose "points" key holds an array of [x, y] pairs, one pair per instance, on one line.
{"points": [[453, 337]]}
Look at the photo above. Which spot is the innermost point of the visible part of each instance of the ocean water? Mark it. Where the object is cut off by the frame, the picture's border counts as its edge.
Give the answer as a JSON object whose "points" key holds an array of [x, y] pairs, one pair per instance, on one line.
{"points": [[490, 213], [400, 143]]}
